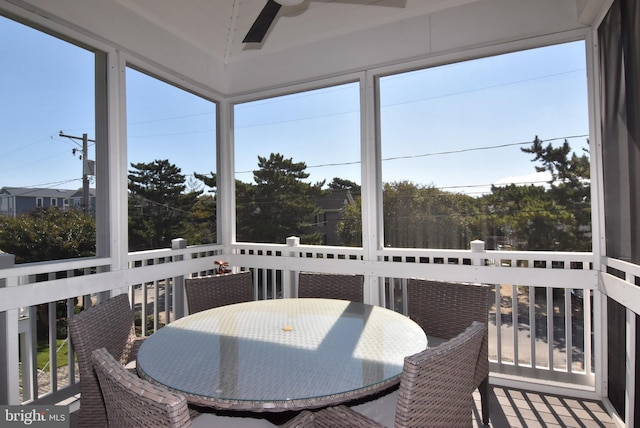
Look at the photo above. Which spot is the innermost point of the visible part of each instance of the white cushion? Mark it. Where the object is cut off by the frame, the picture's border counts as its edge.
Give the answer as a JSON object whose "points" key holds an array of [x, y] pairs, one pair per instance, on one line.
{"points": [[433, 341], [212, 420], [381, 410]]}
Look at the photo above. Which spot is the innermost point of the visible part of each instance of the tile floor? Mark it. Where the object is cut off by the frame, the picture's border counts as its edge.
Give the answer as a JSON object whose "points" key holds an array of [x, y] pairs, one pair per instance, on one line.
{"points": [[515, 408], [520, 408]]}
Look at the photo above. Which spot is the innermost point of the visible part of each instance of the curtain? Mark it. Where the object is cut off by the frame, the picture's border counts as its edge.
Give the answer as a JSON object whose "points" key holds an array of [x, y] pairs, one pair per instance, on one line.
{"points": [[619, 41], [619, 38]]}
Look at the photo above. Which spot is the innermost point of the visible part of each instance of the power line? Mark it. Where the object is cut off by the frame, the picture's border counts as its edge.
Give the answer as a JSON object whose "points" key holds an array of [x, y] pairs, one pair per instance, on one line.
{"points": [[25, 146], [448, 152], [483, 88], [140, 122], [158, 204], [173, 134]]}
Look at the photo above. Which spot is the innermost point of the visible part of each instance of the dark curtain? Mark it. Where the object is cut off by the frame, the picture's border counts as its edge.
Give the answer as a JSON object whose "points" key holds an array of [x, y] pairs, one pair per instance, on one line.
{"points": [[619, 37], [619, 40]]}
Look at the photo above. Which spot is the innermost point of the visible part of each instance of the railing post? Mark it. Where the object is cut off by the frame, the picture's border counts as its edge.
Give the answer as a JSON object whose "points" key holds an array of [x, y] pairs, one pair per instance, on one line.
{"points": [[178, 299], [477, 246], [290, 280], [9, 363]]}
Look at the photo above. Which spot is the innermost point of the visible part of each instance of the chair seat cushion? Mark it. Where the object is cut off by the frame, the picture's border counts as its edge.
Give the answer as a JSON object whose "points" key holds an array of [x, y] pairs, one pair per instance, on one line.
{"points": [[210, 420], [433, 341], [381, 410]]}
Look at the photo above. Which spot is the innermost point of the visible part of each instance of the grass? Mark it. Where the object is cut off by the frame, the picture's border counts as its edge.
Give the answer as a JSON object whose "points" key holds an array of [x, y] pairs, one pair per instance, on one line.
{"points": [[43, 354]]}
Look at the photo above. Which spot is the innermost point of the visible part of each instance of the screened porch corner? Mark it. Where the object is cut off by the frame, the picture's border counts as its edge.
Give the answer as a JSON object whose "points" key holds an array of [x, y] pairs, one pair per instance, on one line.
{"points": [[552, 295], [561, 251]]}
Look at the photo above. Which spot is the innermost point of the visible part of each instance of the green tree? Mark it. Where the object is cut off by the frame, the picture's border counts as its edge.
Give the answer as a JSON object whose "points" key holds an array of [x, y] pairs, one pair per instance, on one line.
{"points": [[202, 227], [570, 189], [209, 180], [418, 216], [278, 204], [206, 208], [523, 217], [555, 218], [159, 205], [349, 229], [48, 234], [342, 184]]}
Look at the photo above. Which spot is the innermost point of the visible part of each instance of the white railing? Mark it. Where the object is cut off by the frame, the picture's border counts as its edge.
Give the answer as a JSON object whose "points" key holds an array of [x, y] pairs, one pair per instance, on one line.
{"points": [[541, 320], [545, 293]]}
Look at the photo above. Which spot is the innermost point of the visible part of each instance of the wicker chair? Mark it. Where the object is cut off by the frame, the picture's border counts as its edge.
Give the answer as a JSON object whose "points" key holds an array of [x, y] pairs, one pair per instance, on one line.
{"points": [[218, 290], [134, 402], [109, 325], [436, 389], [431, 305], [331, 286]]}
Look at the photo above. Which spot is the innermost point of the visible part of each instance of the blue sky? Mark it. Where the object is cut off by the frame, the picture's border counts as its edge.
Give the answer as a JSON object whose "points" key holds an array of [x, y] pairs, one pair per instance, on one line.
{"points": [[439, 126]]}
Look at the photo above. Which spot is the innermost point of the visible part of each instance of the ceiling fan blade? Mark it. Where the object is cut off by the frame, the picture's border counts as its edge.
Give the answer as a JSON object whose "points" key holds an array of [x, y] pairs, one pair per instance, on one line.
{"points": [[261, 25]]}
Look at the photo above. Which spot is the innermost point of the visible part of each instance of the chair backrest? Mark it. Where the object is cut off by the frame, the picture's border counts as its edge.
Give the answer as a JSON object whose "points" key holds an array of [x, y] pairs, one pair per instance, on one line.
{"points": [[436, 385], [331, 286], [134, 402], [218, 290], [109, 324], [432, 303]]}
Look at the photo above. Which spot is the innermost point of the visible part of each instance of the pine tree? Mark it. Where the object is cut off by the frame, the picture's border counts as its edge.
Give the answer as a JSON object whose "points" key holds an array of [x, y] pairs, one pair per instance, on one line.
{"points": [[159, 205], [279, 203]]}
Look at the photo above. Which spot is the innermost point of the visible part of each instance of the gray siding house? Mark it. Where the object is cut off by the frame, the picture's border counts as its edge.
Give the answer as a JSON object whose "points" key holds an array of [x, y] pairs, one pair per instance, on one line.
{"points": [[15, 201], [332, 206]]}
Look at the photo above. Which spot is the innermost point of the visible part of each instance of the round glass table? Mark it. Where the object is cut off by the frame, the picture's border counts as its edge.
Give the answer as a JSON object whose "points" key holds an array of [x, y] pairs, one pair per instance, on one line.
{"points": [[278, 355]]}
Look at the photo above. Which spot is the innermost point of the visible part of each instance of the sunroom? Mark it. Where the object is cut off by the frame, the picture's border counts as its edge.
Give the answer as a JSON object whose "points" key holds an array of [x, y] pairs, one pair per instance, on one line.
{"points": [[476, 141]]}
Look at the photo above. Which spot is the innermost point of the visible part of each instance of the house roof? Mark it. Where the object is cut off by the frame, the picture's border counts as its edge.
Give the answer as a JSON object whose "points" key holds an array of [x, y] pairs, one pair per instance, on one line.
{"points": [[37, 192], [334, 200]]}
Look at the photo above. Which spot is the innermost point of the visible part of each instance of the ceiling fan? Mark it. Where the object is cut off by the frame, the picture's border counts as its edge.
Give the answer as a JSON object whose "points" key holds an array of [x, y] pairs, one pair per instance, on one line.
{"points": [[266, 17], [262, 23]]}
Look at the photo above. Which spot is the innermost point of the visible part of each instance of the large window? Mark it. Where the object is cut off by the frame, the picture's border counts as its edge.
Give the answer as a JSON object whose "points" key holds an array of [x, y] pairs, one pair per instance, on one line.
{"points": [[493, 149], [297, 164], [172, 163], [47, 106]]}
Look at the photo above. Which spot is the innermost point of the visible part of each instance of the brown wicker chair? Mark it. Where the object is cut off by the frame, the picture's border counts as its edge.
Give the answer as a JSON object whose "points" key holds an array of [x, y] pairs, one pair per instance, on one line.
{"points": [[331, 286], [218, 290], [109, 325], [134, 402], [432, 305], [436, 389]]}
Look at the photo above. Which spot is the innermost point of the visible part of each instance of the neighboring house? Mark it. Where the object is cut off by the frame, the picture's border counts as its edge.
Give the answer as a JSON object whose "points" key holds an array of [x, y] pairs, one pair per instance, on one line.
{"points": [[331, 206], [75, 200], [15, 201]]}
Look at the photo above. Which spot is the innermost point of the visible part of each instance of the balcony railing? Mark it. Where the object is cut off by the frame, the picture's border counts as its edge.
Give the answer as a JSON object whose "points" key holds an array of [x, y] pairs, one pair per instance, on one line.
{"points": [[542, 324]]}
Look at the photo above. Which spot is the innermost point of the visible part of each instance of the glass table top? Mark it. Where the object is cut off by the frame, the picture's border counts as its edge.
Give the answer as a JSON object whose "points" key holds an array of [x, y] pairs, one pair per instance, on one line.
{"points": [[282, 354]]}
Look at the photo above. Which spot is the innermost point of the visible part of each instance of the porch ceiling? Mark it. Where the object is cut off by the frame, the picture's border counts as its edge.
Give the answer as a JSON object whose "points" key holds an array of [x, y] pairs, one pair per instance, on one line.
{"points": [[202, 40], [218, 27]]}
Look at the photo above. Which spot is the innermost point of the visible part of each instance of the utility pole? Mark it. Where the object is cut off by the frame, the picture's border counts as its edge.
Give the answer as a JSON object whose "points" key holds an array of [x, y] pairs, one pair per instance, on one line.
{"points": [[88, 168]]}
